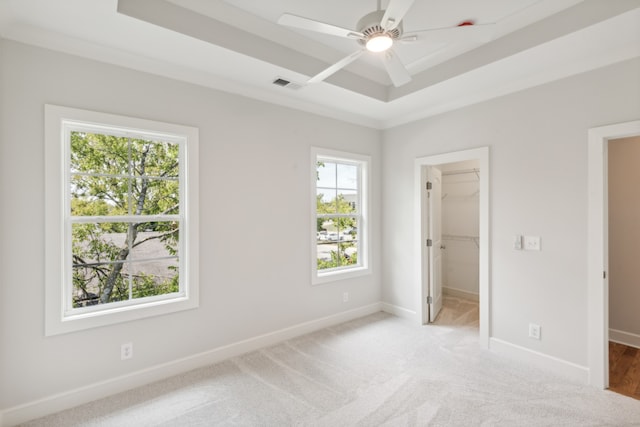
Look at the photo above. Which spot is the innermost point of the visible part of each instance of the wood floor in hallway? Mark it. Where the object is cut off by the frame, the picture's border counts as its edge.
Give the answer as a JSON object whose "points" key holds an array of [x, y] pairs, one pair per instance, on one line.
{"points": [[624, 370]]}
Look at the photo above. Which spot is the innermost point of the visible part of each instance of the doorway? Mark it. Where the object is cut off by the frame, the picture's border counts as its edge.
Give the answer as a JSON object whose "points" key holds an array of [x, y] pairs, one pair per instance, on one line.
{"points": [[424, 167], [598, 247], [623, 175]]}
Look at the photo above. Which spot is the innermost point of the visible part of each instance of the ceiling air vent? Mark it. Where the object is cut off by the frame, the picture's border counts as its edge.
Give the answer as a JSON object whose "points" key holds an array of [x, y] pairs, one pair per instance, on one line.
{"points": [[279, 81]]}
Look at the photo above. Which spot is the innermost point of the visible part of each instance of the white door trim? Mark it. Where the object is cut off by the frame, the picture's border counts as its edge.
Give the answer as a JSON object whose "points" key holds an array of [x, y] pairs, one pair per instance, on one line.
{"points": [[420, 164], [598, 250]]}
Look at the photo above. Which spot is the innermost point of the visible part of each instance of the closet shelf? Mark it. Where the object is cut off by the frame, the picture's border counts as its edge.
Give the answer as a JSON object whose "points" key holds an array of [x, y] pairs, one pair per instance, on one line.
{"points": [[463, 171]]}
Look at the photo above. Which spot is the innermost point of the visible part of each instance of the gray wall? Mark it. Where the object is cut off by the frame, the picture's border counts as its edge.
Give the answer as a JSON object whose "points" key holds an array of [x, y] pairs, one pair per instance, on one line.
{"points": [[254, 176], [538, 186], [254, 231]]}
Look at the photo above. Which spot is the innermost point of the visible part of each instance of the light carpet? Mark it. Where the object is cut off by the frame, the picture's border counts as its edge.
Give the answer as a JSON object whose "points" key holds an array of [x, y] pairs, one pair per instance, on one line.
{"points": [[379, 370]]}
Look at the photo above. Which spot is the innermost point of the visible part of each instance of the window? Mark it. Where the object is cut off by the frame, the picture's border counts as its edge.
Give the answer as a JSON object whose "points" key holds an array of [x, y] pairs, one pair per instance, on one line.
{"points": [[340, 207], [121, 200]]}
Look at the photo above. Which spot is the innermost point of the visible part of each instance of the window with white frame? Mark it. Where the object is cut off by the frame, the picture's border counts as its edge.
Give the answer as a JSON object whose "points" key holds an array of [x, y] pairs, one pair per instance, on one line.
{"points": [[340, 223], [121, 199]]}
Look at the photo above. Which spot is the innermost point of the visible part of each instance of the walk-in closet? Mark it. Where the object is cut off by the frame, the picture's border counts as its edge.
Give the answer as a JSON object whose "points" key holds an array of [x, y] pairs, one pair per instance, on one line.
{"points": [[460, 229]]}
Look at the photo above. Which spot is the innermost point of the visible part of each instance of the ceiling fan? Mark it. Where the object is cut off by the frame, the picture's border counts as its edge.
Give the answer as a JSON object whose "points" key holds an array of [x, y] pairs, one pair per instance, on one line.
{"points": [[378, 31]]}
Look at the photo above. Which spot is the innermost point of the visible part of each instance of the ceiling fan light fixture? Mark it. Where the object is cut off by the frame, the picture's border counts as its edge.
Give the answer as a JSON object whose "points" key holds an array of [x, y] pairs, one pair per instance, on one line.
{"points": [[379, 43]]}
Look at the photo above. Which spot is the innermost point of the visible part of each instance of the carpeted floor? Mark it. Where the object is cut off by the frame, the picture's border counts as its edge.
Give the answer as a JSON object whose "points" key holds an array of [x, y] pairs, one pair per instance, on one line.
{"points": [[376, 371]]}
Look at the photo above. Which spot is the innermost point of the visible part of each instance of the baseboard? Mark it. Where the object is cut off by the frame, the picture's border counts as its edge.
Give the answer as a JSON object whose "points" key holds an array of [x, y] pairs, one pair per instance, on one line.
{"points": [[459, 293], [52, 404], [569, 370], [626, 338], [400, 311]]}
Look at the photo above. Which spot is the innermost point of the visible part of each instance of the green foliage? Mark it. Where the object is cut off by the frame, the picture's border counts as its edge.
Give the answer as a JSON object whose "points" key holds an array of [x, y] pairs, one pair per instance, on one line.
{"points": [[339, 258], [336, 206], [146, 285], [339, 225], [113, 176]]}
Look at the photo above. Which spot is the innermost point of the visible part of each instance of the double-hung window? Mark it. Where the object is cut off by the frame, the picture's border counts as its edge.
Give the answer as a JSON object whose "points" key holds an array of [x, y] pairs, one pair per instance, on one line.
{"points": [[121, 217], [340, 215]]}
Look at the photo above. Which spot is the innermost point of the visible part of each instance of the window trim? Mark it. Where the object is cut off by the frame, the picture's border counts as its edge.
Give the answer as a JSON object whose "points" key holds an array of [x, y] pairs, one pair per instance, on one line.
{"points": [[57, 234], [364, 230]]}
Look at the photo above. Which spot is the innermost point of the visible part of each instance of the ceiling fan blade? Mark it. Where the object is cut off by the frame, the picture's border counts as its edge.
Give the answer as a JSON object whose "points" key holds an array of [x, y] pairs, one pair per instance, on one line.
{"points": [[319, 27], [396, 70], [394, 13], [336, 67], [466, 33]]}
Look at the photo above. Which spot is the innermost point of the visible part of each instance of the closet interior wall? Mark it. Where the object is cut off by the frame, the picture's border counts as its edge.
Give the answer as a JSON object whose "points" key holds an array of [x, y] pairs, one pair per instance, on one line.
{"points": [[460, 229]]}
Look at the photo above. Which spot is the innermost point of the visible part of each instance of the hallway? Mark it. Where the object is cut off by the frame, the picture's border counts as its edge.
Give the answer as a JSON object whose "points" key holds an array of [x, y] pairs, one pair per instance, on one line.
{"points": [[624, 370]]}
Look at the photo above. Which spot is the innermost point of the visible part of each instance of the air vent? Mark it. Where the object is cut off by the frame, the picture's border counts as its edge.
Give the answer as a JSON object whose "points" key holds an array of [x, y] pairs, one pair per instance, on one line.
{"points": [[279, 81]]}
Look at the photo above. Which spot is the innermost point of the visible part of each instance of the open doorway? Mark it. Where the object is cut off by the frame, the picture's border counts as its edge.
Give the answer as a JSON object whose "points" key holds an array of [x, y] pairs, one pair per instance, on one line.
{"points": [[598, 250], [623, 156], [439, 279]]}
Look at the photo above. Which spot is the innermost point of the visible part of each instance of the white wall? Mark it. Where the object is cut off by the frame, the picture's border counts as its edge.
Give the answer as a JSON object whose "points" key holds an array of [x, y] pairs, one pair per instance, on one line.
{"points": [[460, 224], [254, 231], [624, 235], [538, 172]]}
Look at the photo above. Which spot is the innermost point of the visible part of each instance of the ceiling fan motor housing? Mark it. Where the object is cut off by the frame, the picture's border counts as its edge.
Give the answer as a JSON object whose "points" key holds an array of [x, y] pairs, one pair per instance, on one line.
{"points": [[370, 26]]}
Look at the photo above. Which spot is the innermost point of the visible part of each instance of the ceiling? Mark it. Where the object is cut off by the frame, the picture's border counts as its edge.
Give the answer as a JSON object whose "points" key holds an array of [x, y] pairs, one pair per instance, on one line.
{"points": [[238, 46]]}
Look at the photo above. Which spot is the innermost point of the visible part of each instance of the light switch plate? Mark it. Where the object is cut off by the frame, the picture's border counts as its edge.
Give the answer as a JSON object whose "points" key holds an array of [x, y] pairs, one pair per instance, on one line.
{"points": [[531, 243]]}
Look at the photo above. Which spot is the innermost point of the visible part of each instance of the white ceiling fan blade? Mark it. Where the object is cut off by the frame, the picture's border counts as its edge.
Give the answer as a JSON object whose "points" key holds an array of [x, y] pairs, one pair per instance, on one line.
{"points": [[336, 67], [394, 13], [466, 33], [317, 26], [396, 70]]}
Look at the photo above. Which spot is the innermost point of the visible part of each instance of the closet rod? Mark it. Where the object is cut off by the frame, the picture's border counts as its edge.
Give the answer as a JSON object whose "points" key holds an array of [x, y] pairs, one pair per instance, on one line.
{"points": [[458, 237], [453, 237], [462, 171]]}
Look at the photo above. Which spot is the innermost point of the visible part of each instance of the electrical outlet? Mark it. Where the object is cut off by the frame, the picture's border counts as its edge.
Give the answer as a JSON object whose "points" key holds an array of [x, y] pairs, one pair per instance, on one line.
{"points": [[126, 351], [534, 331], [345, 297]]}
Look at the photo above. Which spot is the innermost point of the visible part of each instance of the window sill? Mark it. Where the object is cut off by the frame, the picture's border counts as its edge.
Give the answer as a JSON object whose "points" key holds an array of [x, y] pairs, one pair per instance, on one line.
{"points": [[79, 322], [334, 276]]}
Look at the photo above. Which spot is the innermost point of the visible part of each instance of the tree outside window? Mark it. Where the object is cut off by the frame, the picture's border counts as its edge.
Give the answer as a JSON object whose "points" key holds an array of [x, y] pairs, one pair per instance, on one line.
{"points": [[338, 213], [124, 206]]}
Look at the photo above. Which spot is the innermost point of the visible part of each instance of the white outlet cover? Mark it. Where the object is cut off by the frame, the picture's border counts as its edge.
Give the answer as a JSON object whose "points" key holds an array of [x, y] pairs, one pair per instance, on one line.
{"points": [[534, 331], [126, 351]]}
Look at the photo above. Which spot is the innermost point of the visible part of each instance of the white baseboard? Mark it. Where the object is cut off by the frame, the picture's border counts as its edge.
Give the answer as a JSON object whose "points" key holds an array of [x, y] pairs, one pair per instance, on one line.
{"points": [[459, 293], [569, 370], [400, 311], [626, 338], [69, 399]]}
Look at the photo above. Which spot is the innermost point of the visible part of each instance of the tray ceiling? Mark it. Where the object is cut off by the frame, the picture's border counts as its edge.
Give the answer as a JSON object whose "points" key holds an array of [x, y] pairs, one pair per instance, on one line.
{"points": [[237, 46]]}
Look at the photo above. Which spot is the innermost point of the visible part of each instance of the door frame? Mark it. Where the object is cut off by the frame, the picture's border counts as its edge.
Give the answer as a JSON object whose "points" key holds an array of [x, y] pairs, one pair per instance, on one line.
{"points": [[598, 247], [420, 260]]}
